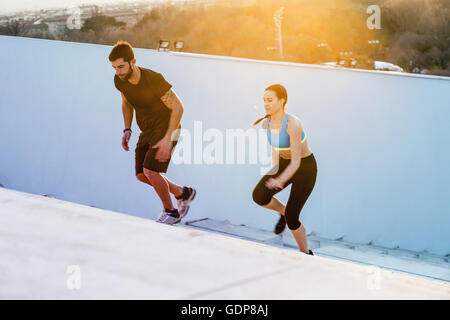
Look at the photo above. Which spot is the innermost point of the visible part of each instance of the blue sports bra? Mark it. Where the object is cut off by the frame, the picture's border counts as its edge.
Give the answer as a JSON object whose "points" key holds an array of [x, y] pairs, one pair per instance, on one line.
{"points": [[281, 141]]}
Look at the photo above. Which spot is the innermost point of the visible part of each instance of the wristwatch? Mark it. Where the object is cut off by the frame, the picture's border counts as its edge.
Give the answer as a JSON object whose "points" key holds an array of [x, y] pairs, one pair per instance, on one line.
{"points": [[127, 129]]}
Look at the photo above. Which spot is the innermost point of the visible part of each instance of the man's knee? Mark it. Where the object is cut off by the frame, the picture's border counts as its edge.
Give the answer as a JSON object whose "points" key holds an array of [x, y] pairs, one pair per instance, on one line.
{"points": [[150, 173], [142, 178]]}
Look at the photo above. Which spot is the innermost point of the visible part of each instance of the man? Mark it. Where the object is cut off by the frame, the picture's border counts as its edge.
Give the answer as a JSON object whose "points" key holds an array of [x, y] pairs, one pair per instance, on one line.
{"points": [[158, 115]]}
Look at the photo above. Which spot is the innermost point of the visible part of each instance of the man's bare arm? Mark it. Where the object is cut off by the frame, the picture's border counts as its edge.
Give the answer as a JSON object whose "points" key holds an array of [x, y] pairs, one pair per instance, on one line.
{"points": [[127, 111], [171, 100]]}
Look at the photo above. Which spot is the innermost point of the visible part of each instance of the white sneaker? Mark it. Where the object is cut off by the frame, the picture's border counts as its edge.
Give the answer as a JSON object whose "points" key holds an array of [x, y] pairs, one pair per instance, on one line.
{"points": [[161, 216], [168, 218], [183, 204]]}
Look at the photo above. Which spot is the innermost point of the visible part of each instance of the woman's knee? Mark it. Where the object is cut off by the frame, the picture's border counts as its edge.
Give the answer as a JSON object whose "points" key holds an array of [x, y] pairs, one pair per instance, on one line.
{"points": [[292, 218], [293, 223], [260, 197]]}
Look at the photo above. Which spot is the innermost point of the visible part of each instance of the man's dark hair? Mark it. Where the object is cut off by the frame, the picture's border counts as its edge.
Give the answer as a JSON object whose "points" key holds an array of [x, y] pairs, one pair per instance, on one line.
{"points": [[121, 49]]}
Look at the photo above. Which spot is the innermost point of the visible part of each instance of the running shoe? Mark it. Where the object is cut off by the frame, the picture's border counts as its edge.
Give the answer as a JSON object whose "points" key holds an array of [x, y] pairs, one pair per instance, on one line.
{"points": [[161, 216], [281, 225], [184, 201], [168, 217]]}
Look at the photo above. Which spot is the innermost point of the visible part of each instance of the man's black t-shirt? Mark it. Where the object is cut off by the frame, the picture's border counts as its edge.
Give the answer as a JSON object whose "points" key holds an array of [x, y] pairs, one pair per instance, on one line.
{"points": [[152, 115]]}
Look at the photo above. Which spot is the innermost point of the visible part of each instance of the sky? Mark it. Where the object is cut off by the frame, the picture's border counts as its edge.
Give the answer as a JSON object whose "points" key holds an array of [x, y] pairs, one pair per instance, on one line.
{"points": [[9, 6]]}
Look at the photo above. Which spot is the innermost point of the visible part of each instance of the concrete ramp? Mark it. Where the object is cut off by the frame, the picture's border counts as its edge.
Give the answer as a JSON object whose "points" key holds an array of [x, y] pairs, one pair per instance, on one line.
{"points": [[53, 249]]}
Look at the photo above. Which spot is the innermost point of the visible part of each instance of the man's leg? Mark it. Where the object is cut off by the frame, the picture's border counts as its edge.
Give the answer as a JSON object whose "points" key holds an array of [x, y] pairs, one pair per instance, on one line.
{"points": [[161, 187], [152, 170], [174, 188]]}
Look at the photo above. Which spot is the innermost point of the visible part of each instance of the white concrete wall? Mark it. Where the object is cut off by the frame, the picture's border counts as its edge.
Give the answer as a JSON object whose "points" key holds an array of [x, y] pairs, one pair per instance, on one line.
{"points": [[380, 140]]}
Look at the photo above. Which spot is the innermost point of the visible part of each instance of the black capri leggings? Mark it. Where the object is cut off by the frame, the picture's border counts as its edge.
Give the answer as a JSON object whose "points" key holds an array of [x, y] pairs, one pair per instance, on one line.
{"points": [[303, 182]]}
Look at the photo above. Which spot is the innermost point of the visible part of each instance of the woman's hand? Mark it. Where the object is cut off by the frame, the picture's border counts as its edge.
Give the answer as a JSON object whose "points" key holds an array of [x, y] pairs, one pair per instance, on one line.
{"points": [[274, 184]]}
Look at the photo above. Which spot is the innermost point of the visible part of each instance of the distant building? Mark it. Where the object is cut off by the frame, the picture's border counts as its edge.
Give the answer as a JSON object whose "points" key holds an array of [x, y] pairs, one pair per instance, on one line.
{"points": [[4, 20], [57, 19], [57, 25]]}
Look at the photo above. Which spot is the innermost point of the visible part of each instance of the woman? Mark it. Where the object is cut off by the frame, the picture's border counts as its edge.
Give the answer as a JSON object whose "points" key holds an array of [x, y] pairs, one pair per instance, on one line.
{"points": [[293, 162]]}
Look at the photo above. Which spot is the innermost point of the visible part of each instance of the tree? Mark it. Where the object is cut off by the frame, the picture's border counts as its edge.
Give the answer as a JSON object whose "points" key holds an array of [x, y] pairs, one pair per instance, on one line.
{"points": [[99, 23], [13, 28]]}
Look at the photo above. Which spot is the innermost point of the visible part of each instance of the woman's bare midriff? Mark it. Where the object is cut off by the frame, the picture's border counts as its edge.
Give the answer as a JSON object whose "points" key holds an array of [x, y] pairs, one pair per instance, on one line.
{"points": [[306, 151]]}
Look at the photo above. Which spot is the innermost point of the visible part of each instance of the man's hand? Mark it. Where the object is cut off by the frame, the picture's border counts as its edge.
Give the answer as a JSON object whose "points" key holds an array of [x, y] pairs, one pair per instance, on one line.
{"points": [[164, 148], [125, 139]]}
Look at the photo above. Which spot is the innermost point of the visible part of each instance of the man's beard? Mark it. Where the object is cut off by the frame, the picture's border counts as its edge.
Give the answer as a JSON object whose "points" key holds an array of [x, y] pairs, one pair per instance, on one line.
{"points": [[128, 75]]}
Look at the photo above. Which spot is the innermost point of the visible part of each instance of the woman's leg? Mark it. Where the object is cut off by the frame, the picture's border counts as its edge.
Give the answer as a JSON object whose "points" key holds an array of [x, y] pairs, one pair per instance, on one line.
{"points": [[302, 185], [265, 197], [276, 205], [301, 239]]}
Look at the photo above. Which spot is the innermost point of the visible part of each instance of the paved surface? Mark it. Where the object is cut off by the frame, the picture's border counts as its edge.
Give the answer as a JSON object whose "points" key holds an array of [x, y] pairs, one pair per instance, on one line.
{"points": [[48, 246], [421, 264]]}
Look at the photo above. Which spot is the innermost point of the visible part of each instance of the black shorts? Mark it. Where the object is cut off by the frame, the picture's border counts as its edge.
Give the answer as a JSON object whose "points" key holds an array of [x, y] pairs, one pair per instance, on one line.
{"points": [[145, 157]]}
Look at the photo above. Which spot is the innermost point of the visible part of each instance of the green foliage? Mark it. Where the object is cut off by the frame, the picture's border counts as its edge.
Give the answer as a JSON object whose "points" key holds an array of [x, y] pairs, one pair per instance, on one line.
{"points": [[99, 23], [19, 28], [419, 34]]}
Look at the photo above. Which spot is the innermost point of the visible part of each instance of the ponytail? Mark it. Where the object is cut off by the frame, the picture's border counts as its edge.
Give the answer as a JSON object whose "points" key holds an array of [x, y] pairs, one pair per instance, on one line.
{"points": [[260, 119]]}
